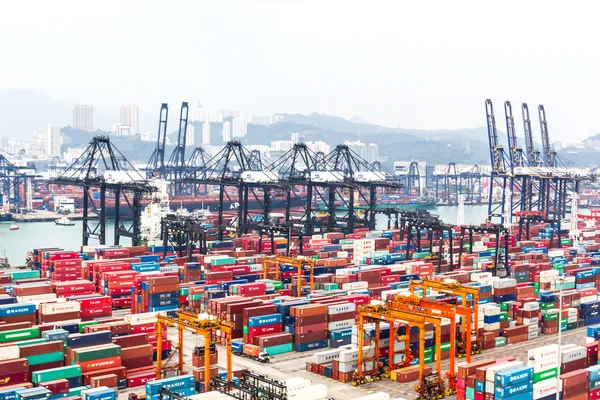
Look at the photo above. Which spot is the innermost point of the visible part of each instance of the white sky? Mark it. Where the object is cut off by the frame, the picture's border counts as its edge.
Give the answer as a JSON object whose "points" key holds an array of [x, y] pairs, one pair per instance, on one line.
{"points": [[416, 64]]}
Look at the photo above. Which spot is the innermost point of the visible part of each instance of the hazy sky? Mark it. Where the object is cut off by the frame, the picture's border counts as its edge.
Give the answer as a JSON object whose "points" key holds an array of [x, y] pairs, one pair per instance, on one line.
{"points": [[414, 64]]}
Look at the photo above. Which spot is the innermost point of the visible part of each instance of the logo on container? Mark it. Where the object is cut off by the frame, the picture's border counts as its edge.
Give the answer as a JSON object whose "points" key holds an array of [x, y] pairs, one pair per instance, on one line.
{"points": [[16, 310]]}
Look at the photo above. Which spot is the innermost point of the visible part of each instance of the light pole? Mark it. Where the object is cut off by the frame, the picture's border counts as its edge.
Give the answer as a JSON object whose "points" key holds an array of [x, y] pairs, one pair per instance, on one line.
{"points": [[561, 280]]}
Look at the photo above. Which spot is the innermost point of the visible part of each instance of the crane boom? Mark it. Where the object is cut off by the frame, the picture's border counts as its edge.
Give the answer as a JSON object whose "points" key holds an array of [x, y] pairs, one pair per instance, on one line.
{"points": [[533, 155], [497, 156], [177, 159], [156, 165], [515, 153], [549, 153]]}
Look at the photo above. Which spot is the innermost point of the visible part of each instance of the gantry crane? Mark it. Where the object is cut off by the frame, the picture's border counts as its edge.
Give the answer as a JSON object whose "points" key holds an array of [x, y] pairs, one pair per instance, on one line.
{"points": [[457, 290], [188, 319], [271, 266], [549, 153], [533, 155], [156, 164], [430, 386], [417, 305]]}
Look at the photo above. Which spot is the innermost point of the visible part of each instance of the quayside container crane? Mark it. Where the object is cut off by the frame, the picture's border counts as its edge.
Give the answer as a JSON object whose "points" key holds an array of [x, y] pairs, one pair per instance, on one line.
{"points": [[156, 164]]}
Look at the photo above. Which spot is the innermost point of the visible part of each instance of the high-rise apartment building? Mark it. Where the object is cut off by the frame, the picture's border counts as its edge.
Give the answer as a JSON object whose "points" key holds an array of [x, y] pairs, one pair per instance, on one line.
{"points": [[53, 141], [206, 133], [189, 135], [83, 118], [239, 127], [226, 131], [130, 117]]}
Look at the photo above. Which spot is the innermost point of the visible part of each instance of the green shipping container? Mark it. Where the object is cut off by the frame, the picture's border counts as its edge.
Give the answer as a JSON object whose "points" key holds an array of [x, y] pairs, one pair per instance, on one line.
{"points": [[543, 375], [277, 285], [470, 393], [29, 342], [77, 391], [82, 325], [428, 359], [500, 341], [420, 254], [245, 330], [223, 261], [548, 306], [571, 325], [503, 316], [24, 275], [565, 241], [45, 358], [53, 374], [96, 353], [19, 334], [330, 286], [536, 287], [193, 297], [280, 349], [184, 291], [428, 352]]}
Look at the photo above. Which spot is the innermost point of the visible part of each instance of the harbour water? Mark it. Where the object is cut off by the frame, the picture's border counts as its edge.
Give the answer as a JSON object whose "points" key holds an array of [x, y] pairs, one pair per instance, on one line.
{"points": [[16, 244]]}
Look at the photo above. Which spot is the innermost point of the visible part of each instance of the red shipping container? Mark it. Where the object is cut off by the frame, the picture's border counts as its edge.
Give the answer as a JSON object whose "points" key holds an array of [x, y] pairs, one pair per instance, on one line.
{"points": [[140, 378], [263, 330], [103, 363]]}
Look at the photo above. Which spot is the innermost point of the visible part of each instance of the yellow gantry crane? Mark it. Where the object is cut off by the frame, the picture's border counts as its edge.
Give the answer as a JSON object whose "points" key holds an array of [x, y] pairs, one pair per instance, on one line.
{"points": [[457, 290], [188, 319], [271, 266], [430, 386]]}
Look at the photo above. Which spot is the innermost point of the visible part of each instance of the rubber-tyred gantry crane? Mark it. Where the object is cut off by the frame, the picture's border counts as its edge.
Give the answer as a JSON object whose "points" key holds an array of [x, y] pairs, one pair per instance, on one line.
{"points": [[188, 319], [456, 290], [430, 386], [271, 266]]}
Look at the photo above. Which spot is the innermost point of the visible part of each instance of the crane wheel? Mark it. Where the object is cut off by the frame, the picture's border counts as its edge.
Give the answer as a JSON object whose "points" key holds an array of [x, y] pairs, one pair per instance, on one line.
{"points": [[354, 383]]}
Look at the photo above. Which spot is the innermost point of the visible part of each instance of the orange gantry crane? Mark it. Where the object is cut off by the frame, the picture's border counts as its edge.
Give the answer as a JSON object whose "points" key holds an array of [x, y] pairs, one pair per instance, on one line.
{"points": [[271, 265], [188, 319], [464, 291], [430, 386]]}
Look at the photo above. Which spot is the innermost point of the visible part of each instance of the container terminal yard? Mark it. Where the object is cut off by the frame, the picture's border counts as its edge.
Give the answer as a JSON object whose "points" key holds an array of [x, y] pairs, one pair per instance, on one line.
{"points": [[309, 301]]}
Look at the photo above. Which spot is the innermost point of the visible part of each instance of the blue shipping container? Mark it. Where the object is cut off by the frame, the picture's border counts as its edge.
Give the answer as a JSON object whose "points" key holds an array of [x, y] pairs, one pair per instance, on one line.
{"points": [[514, 376]]}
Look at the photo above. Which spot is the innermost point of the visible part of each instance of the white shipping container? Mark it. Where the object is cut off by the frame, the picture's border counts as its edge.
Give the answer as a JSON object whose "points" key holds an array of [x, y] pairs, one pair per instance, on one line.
{"points": [[296, 383], [141, 319], [341, 308], [169, 269], [352, 355], [9, 353], [543, 365], [490, 310], [60, 308], [505, 283], [491, 327], [345, 324], [355, 285], [573, 354], [550, 273], [214, 395], [375, 396], [532, 334], [347, 366], [324, 357], [543, 353], [544, 388], [490, 372], [478, 276], [531, 306], [38, 298], [531, 321], [256, 268], [314, 392], [571, 319]]}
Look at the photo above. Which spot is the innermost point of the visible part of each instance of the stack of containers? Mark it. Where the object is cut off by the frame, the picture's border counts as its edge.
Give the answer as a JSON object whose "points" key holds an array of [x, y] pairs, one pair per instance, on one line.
{"points": [[160, 294], [145, 323], [52, 257], [13, 370], [544, 361], [516, 381], [594, 381], [574, 385], [340, 319], [94, 306], [118, 286], [190, 272], [95, 355], [195, 297], [573, 357], [72, 373], [262, 325], [66, 270], [43, 355], [309, 326], [17, 312], [490, 379]]}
